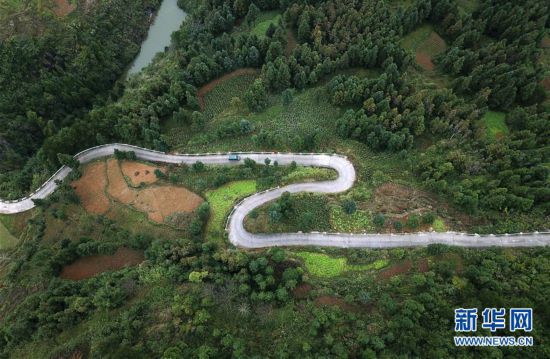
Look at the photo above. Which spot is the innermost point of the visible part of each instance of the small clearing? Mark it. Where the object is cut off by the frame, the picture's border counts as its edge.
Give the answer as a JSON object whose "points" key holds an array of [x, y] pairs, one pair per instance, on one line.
{"points": [[426, 44], [495, 122], [87, 267], [396, 269], [334, 301], [90, 188], [63, 8]]}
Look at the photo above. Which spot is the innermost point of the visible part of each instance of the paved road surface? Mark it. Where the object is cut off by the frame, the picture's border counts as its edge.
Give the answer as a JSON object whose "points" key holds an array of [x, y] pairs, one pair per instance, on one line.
{"points": [[240, 237]]}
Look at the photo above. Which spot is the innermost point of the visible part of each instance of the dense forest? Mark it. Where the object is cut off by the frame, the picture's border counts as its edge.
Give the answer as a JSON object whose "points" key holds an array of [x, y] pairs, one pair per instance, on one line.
{"points": [[194, 296]]}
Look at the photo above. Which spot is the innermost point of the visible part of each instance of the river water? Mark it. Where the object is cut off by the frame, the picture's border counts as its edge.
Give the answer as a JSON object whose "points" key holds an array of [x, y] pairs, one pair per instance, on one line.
{"points": [[168, 20]]}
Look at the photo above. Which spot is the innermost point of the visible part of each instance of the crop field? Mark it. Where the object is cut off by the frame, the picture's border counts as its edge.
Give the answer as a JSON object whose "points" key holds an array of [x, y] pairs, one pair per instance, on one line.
{"points": [[359, 221], [219, 98], [221, 201], [323, 265], [495, 124], [264, 20]]}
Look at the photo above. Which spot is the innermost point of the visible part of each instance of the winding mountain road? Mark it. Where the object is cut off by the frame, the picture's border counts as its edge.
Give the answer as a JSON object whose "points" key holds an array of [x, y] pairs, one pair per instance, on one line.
{"points": [[235, 224]]}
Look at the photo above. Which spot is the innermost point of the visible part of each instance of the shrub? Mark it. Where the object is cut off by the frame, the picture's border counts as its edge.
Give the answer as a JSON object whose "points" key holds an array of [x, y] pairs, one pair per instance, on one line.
{"points": [[413, 221], [198, 166], [306, 221], [428, 218], [398, 225], [349, 206], [379, 220], [159, 174]]}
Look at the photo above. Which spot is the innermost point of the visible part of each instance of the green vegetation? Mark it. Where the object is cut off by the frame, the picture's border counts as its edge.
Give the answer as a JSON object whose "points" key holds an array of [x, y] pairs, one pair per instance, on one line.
{"points": [[323, 265], [439, 225], [303, 212], [416, 138], [222, 200], [264, 20], [359, 221], [302, 174], [7, 240], [496, 125]]}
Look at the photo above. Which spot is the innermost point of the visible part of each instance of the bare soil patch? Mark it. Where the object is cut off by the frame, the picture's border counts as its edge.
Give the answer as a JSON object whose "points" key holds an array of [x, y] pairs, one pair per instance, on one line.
{"points": [[424, 60], [117, 187], [428, 48], [210, 86], [546, 84], [160, 202], [545, 43], [392, 198], [90, 188], [396, 269], [331, 300], [88, 267], [302, 291], [423, 265], [139, 173], [63, 8]]}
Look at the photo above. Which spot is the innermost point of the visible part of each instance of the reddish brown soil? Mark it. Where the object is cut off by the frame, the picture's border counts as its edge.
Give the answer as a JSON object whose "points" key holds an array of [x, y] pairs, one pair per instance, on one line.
{"points": [[330, 300], [88, 267], [160, 202], [90, 188], [545, 43], [139, 173], [157, 202], [302, 291], [546, 84], [424, 60], [117, 187], [396, 269], [423, 265], [63, 8], [210, 86]]}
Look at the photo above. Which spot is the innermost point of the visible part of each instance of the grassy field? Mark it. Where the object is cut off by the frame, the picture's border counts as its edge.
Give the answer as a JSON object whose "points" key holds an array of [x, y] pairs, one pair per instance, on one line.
{"points": [[495, 124], [323, 265], [306, 174], [221, 201], [439, 225], [468, 6], [7, 240], [264, 20]]}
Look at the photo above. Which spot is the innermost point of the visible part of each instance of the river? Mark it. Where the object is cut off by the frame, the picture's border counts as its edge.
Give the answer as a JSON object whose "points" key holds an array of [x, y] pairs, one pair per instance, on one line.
{"points": [[168, 20]]}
